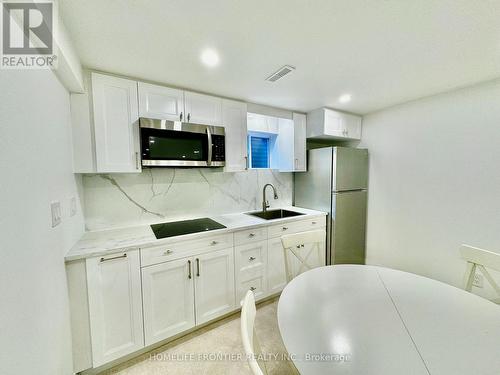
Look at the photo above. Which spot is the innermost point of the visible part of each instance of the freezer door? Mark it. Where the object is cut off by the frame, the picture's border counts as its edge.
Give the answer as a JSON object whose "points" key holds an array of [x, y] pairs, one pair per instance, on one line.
{"points": [[348, 222], [350, 169]]}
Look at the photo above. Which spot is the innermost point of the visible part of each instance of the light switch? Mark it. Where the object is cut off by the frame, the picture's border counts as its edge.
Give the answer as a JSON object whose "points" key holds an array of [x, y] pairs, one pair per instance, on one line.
{"points": [[72, 206], [55, 209]]}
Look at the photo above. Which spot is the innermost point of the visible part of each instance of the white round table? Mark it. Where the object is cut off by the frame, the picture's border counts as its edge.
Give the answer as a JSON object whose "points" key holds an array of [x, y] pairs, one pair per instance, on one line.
{"points": [[367, 320]]}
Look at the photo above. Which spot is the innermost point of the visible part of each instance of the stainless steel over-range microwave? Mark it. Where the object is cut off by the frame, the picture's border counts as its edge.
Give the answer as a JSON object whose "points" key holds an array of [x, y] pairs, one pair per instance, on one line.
{"points": [[167, 143]]}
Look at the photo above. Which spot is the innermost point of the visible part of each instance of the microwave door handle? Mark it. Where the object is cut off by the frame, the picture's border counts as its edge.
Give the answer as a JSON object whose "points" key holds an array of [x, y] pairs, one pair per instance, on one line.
{"points": [[209, 136]]}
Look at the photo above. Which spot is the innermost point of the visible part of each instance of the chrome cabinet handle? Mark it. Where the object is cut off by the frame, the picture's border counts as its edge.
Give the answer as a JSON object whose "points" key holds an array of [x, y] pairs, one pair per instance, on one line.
{"points": [[285, 228], [168, 252], [189, 117], [251, 235], [252, 288], [246, 162], [180, 117], [314, 223], [197, 267], [189, 269], [113, 258], [213, 243], [136, 160], [251, 259]]}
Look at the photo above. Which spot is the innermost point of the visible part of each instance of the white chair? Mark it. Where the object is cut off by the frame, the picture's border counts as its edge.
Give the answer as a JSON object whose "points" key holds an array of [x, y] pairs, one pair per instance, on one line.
{"points": [[480, 259], [292, 245], [250, 342]]}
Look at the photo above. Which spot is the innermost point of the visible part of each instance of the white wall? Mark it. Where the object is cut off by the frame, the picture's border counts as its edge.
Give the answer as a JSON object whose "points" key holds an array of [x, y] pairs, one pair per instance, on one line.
{"points": [[35, 169], [434, 181]]}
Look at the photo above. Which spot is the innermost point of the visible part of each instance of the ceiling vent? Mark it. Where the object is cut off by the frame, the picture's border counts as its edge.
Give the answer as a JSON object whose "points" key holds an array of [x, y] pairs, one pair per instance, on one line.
{"points": [[283, 71]]}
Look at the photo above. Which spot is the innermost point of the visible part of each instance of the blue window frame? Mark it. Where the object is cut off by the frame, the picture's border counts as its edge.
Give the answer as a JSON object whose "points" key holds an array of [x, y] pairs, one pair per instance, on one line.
{"points": [[259, 151]]}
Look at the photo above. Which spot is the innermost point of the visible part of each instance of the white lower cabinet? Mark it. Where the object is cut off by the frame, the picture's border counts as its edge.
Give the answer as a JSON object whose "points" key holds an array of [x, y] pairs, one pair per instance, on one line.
{"points": [[181, 285], [276, 275], [115, 307], [250, 263], [214, 284], [168, 299]]}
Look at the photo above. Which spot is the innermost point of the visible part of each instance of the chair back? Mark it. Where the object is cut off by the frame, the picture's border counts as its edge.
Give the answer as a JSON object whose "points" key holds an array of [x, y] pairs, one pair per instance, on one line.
{"points": [[294, 247], [249, 338], [479, 259]]}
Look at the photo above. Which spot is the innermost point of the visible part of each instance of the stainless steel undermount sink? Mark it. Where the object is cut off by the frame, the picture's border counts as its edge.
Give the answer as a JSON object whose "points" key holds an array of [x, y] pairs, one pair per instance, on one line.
{"points": [[274, 214]]}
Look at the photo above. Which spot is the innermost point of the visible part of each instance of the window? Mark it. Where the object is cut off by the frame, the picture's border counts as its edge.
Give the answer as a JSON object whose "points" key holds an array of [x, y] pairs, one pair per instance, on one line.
{"points": [[258, 151]]}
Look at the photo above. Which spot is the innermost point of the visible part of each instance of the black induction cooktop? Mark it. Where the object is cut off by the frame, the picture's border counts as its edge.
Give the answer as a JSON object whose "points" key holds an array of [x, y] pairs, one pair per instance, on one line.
{"points": [[178, 228]]}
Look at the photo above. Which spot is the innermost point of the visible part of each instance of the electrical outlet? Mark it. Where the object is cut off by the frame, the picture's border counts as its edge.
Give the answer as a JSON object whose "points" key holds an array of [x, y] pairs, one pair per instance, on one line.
{"points": [[478, 281], [72, 206], [55, 210]]}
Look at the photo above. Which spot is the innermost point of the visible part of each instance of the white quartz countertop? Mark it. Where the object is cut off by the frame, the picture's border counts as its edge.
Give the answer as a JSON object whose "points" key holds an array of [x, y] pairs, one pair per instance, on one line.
{"points": [[103, 242]]}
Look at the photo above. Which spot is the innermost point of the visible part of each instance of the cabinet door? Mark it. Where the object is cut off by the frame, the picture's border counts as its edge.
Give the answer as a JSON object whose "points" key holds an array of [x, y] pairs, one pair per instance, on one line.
{"points": [[276, 273], [299, 137], [160, 102], [250, 267], [286, 145], [234, 119], [168, 299], [114, 291], [214, 284], [203, 109], [334, 123], [352, 125], [116, 124]]}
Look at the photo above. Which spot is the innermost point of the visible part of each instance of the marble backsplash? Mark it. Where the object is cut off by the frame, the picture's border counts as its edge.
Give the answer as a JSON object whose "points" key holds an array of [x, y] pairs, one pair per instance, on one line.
{"points": [[162, 194]]}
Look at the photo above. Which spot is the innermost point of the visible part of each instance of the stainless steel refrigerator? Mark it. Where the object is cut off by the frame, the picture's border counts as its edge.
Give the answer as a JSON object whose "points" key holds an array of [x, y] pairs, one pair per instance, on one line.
{"points": [[336, 181]]}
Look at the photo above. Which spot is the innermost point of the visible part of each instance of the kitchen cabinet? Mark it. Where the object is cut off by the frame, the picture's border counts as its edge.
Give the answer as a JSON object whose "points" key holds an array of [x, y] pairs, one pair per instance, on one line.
{"points": [[168, 299], [115, 306], [324, 123], [276, 272], [116, 124], [202, 109], [262, 123], [286, 145], [160, 102], [299, 146], [234, 119], [250, 264], [214, 284]]}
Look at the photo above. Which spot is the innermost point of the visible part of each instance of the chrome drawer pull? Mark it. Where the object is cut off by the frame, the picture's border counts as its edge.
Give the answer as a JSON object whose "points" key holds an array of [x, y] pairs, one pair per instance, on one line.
{"points": [[251, 235], [118, 257], [213, 243], [285, 228], [168, 252], [251, 259], [314, 223], [252, 288]]}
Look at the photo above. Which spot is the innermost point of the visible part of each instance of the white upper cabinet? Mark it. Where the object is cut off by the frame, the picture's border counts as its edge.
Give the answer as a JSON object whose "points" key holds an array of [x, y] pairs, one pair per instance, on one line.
{"points": [[202, 109], [262, 123], [234, 119], [116, 124], [324, 123], [160, 102], [299, 128], [115, 307], [286, 145]]}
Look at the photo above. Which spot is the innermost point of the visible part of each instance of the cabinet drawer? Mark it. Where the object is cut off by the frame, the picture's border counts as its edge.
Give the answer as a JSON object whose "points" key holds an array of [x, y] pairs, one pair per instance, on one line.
{"points": [[296, 226], [250, 235], [255, 284], [181, 249]]}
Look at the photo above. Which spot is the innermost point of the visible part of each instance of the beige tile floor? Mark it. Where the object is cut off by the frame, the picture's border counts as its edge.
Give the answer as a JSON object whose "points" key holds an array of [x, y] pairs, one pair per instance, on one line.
{"points": [[220, 337]]}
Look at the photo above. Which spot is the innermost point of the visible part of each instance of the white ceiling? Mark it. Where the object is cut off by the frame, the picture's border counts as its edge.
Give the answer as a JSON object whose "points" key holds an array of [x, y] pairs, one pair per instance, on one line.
{"points": [[383, 52]]}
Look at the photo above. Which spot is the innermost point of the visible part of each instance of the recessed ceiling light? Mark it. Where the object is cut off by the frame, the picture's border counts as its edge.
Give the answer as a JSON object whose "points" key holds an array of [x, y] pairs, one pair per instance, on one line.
{"points": [[210, 58], [346, 98]]}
